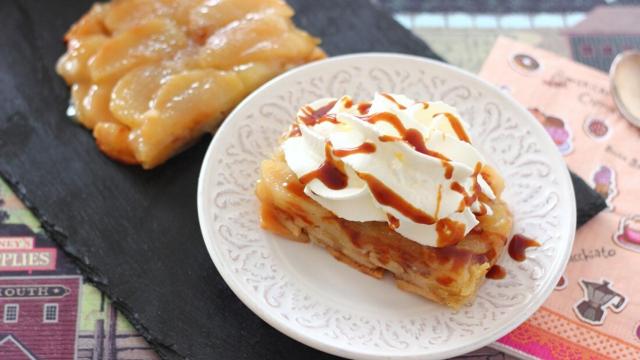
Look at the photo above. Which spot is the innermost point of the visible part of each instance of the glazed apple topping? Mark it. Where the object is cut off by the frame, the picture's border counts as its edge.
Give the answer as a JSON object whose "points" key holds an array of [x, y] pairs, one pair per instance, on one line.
{"points": [[149, 77]]}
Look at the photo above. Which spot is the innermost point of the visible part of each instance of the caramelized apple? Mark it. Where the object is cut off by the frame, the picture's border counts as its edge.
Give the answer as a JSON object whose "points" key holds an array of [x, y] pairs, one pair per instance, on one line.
{"points": [[113, 140], [151, 76], [73, 66], [145, 43], [135, 91], [91, 102], [91, 23], [210, 16], [187, 105], [244, 40], [125, 14]]}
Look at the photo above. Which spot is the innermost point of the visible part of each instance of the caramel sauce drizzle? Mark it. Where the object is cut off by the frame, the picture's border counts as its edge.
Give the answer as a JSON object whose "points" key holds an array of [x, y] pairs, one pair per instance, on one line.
{"points": [[364, 148], [483, 210], [438, 200], [387, 117], [294, 130], [425, 105], [457, 127], [467, 199], [416, 140], [330, 172], [448, 169], [476, 171], [450, 232], [388, 138], [394, 223], [518, 244], [400, 106], [496, 272], [348, 103], [412, 136], [311, 117], [363, 108], [385, 196], [295, 187]]}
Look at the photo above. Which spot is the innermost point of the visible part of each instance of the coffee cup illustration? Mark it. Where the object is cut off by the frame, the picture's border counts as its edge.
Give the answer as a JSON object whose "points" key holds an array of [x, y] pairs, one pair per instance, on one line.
{"points": [[556, 128], [628, 234]]}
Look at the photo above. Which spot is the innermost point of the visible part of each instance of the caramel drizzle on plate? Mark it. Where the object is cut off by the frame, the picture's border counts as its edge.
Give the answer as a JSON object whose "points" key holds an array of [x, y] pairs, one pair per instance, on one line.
{"points": [[518, 244], [496, 272]]}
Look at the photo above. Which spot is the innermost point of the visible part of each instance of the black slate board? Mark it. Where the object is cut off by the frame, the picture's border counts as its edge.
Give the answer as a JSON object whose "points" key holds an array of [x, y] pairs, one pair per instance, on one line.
{"points": [[135, 233]]}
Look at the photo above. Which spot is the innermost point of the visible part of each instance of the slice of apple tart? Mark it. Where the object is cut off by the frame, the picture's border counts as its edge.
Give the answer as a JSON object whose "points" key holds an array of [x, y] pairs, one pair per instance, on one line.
{"points": [[151, 76], [391, 185]]}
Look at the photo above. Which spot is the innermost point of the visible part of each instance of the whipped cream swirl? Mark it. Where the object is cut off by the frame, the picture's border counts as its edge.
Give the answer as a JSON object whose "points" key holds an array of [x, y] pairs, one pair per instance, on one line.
{"points": [[408, 163]]}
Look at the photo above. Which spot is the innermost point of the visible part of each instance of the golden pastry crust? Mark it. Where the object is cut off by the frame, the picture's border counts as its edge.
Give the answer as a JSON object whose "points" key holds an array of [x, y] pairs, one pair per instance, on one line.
{"points": [[449, 275]]}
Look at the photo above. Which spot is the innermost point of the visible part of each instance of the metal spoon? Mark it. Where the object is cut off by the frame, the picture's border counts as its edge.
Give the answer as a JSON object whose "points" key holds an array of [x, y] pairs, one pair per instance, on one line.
{"points": [[625, 85]]}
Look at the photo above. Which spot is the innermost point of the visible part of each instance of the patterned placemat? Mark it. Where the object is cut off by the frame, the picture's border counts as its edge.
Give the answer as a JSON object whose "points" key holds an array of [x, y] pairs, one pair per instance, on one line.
{"points": [[594, 312], [48, 311]]}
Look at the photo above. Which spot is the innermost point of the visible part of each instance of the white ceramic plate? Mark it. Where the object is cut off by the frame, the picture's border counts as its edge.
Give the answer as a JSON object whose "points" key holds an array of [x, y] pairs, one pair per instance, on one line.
{"points": [[302, 291]]}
